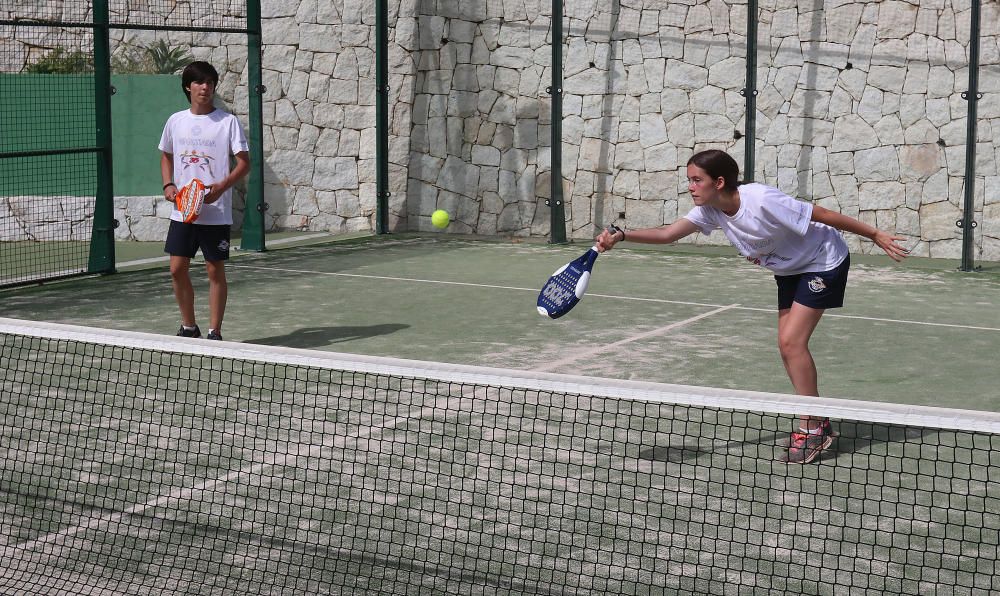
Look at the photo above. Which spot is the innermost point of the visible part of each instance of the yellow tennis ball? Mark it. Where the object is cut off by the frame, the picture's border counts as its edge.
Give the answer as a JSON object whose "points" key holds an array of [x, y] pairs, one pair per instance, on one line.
{"points": [[440, 219]]}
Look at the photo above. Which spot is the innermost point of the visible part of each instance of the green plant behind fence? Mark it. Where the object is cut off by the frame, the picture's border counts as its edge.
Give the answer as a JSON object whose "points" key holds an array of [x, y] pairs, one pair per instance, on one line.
{"points": [[158, 58], [62, 61]]}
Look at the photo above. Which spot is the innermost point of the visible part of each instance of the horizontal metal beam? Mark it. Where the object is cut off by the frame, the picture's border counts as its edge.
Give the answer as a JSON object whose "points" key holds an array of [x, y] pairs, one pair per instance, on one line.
{"points": [[44, 152]]}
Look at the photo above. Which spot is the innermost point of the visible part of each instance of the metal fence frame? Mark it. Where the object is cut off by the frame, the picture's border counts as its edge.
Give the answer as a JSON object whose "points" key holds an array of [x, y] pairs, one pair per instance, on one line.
{"points": [[749, 92], [102, 248]]}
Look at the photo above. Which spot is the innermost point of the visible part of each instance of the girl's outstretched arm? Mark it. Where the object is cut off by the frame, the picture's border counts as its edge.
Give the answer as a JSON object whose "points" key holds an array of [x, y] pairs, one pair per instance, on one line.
{"points": [[661, 235], [884, 240]]}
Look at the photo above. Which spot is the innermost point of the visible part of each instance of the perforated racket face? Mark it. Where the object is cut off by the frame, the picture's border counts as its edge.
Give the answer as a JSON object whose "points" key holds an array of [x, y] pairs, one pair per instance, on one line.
{"points": [[190, 200], [566, 286]]}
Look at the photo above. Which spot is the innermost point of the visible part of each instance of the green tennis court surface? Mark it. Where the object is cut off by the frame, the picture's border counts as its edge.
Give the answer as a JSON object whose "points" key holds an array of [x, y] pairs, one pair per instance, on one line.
{"points": [[138, 464], [917, 333]]}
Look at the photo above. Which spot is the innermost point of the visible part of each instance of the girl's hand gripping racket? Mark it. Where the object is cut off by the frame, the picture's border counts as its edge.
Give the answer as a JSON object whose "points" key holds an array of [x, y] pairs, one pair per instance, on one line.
{"points": [[190, 199], [567, 285]]}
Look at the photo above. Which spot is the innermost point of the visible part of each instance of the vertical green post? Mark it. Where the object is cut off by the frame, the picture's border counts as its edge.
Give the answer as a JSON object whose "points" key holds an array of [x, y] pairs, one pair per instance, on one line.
{"points": [[252, 237], [555, 202], [381, 117], [972, 96], [102, 239], [750, 93]]}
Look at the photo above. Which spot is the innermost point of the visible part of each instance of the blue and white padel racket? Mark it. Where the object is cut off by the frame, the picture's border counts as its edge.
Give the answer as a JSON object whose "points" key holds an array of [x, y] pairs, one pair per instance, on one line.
{"points": [[568, 284]]}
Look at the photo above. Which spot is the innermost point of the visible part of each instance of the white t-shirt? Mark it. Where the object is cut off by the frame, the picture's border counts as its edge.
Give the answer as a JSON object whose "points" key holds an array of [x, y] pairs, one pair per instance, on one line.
{"points": [[773, 230], [202, 146]]}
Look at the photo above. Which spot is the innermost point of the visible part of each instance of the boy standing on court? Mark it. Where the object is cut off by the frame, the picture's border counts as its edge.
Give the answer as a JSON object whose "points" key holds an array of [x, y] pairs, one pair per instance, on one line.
{"points": [[199, 143]]}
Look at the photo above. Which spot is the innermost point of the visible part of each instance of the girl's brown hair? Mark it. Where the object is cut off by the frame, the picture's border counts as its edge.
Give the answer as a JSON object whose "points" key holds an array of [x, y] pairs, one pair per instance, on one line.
{"points": [[718, 164]]}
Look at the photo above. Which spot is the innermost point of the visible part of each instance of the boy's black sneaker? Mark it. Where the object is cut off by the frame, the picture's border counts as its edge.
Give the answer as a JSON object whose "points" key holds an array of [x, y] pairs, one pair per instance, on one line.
{"points": [[213, 334], [185, 332]]}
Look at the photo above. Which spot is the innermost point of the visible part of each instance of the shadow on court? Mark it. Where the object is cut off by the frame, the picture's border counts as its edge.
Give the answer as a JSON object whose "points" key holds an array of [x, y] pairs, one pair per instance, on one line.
{"points": [[687, 452], [316, 337], [852, 437]]}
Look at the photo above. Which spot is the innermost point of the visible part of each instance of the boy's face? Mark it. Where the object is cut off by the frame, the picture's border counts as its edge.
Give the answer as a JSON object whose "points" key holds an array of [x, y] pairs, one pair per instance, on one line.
{"points": [[202, 92]]}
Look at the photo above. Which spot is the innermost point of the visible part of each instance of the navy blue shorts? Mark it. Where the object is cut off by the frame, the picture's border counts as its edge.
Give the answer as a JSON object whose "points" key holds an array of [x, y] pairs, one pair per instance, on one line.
{"points": [[184, 240], [820, 289]]}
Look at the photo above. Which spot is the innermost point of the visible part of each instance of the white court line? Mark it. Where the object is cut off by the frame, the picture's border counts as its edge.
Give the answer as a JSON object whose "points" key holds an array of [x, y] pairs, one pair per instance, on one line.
{"points": [[604, 347], [178, 496], [631, 298], [280, 241], [386, 277], [162, 259]]}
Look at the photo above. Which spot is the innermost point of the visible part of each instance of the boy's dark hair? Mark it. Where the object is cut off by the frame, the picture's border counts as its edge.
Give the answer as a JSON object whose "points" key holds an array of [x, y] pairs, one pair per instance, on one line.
{"points": [[718, 164], [198, 72]]}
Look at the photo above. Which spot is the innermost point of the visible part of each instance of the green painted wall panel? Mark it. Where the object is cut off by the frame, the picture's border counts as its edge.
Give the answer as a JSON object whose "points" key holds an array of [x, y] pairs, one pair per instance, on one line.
{"points": [[139, 110], [56, 112]]}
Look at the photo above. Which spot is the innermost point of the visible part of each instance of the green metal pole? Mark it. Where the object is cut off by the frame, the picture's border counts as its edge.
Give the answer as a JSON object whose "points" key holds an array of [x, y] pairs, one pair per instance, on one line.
{"points": [[750, 93], [555, 202], [102, 239], [967, 222], [252, 237], [381, 117]]}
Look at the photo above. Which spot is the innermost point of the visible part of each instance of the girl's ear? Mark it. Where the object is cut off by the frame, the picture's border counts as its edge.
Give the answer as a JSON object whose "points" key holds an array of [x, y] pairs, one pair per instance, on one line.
{"points": [[720, 183]]}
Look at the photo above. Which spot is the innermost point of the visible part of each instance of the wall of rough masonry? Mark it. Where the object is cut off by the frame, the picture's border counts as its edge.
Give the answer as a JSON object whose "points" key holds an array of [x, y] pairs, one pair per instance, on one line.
{"points": [[860, 109]]}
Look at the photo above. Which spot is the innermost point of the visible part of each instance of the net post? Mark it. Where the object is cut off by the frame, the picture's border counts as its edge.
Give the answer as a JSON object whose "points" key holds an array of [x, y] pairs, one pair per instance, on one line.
{"points": [[555, 202], [252, 236], [102, 238], [967, 223], [382, 117]]}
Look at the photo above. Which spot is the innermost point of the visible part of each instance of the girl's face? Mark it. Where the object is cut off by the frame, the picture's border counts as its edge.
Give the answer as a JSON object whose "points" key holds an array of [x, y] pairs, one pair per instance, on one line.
{"points": [[703, 188]]}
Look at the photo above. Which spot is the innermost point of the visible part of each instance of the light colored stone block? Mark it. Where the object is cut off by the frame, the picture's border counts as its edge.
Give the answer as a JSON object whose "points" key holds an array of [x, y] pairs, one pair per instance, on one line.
{"points": [[937, 221]]}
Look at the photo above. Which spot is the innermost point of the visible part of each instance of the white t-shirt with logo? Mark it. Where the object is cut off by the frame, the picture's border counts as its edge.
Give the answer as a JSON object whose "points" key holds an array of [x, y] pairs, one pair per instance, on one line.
{"points": [[202, 146], [776, 231]]}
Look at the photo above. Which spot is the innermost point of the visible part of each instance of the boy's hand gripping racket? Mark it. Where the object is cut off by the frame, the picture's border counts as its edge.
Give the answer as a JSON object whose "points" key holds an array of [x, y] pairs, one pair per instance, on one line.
{"points": [[190, 199], [567, 285]]}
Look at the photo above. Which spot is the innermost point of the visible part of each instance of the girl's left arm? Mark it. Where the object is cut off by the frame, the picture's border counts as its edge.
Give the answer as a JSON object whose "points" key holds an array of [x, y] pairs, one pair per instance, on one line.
{"points": [[884, 240]]}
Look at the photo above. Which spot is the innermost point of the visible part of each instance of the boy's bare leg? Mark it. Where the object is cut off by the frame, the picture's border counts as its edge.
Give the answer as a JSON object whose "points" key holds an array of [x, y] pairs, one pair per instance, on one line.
{"points": [[183, 290], [218, 292]]}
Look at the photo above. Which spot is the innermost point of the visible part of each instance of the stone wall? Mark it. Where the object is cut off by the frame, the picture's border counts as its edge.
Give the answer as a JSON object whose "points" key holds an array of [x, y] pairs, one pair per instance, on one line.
{"points": [[46, 218], [859, 110]]}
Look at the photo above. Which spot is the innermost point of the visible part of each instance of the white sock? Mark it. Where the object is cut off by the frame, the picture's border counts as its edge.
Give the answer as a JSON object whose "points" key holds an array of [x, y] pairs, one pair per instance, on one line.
{"points": [[189, 327]]}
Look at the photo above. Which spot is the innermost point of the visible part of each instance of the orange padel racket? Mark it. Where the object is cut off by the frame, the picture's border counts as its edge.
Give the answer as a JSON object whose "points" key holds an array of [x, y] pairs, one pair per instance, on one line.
{"points": [[189, 200]]}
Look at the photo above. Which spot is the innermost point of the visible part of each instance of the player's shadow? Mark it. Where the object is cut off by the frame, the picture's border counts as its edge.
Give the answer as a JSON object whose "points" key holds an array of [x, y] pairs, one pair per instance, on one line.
{"points": [[317, 337], [853, 437], [693, 449]]}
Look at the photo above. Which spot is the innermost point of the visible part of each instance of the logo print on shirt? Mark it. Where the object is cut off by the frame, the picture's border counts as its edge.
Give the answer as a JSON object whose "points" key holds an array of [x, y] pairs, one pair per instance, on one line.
{"points": [[817, 285], [200, 163]]}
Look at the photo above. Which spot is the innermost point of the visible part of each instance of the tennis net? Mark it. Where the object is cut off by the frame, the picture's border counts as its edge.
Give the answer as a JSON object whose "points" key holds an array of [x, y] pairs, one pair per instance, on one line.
{"points": [[138, 464]]}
